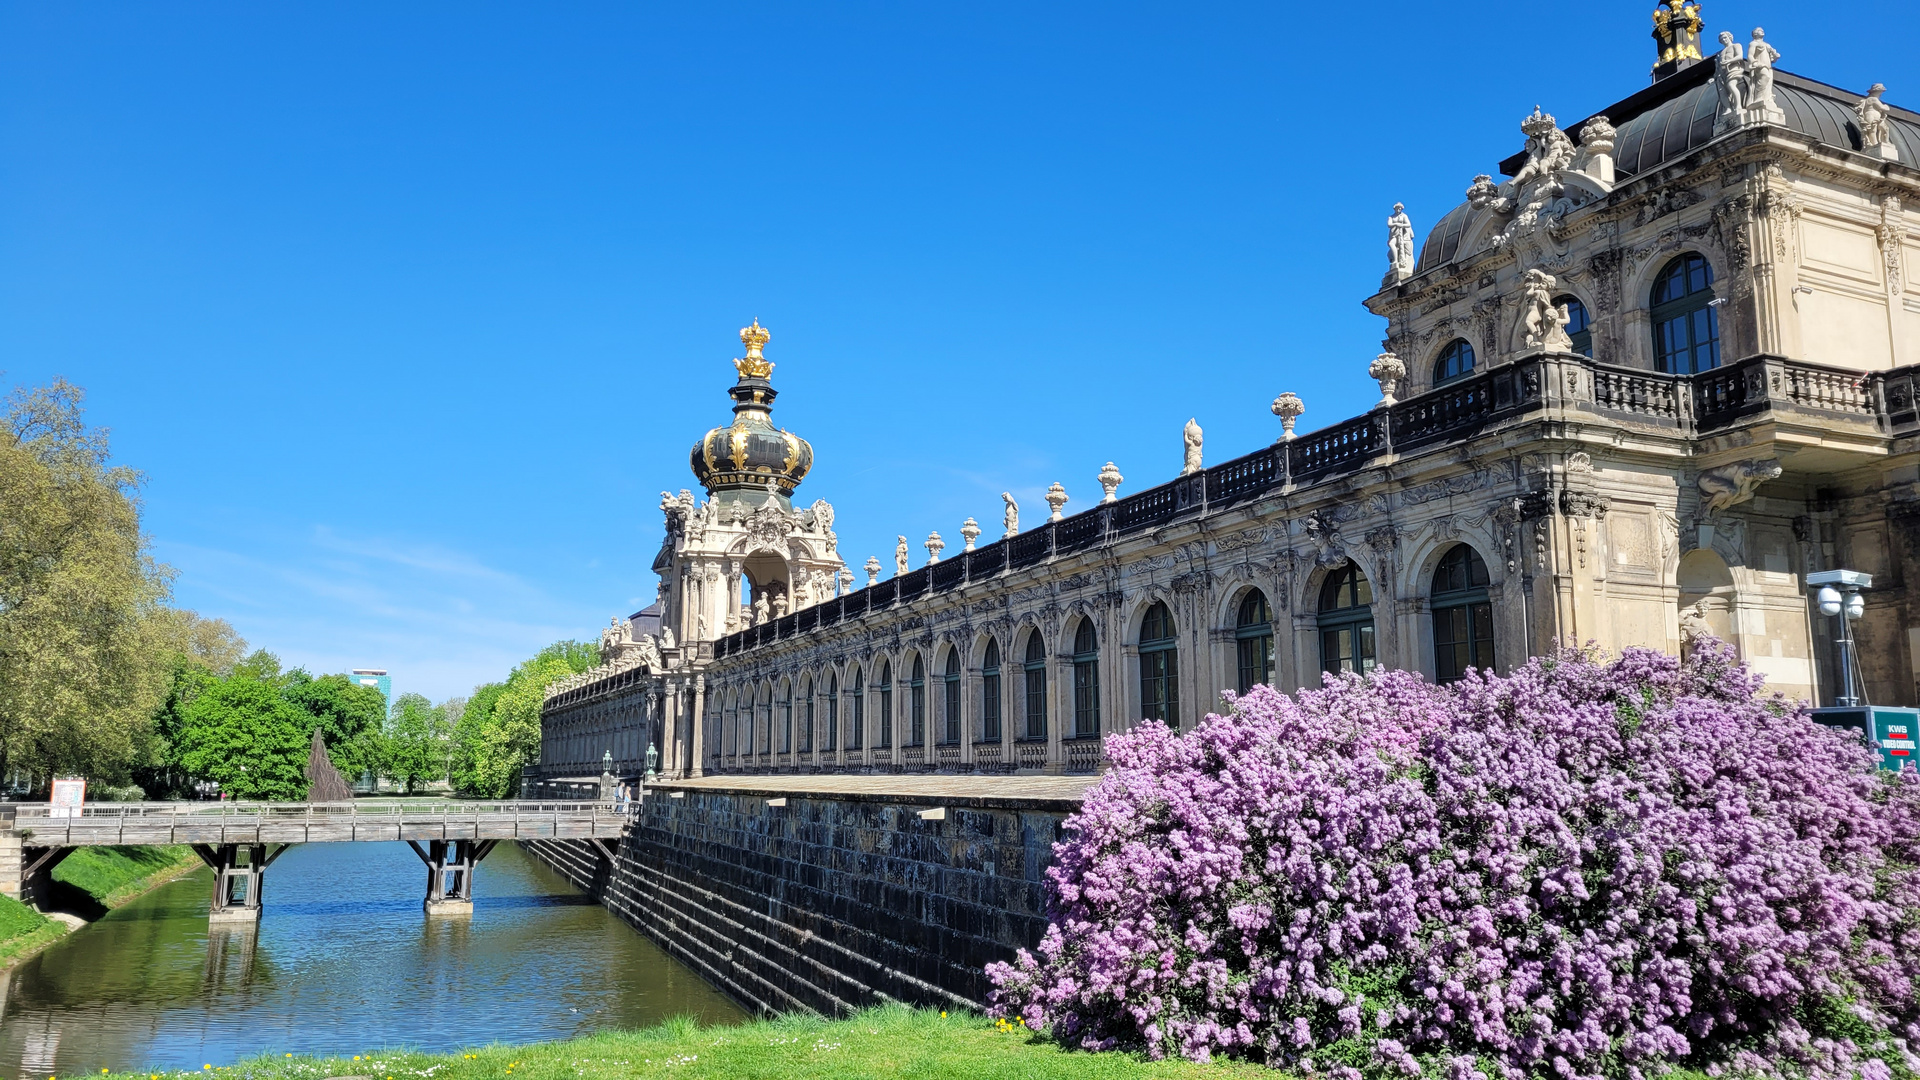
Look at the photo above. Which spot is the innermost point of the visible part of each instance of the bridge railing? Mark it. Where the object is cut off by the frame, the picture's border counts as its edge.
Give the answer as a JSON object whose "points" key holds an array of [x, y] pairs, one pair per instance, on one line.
{"points": [[102, 813]]}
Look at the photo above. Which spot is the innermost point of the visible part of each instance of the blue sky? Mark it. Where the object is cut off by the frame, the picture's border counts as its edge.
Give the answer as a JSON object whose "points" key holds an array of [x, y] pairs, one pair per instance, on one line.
{"points": [[409, 312]]}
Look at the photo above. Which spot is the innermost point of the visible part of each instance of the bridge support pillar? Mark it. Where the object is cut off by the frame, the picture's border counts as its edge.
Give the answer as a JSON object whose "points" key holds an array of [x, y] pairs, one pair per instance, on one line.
{"points": [[239, 875], [26, 872], [450, 867]]}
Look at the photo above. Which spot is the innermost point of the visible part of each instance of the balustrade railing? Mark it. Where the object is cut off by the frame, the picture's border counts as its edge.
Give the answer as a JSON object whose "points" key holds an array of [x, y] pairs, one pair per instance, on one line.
{"points": [[1030, 755], [1329, 448], [986, 756], [1083, 755], [1030, 547]]}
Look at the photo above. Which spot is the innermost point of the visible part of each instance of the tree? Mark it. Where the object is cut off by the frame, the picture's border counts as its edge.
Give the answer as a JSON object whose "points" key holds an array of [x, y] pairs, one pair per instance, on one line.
{"points": [[80, 641], [415, 742], [243, 733], [499, 732], [349, 717]]}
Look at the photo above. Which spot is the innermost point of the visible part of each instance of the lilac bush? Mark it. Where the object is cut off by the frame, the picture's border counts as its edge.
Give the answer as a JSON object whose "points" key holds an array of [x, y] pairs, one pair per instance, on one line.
{"points": [[1582, 869]]}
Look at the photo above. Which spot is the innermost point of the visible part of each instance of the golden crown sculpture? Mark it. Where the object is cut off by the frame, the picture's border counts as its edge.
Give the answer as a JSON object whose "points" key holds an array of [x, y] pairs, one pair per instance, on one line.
{"points": [[754, 365]]}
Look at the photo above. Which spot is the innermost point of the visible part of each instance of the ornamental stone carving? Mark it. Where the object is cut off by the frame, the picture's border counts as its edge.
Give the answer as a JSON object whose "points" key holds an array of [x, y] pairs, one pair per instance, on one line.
{"points": [[1876, 128], [1387, 370], [1011, 518], [900, 557], [1289, 408], [969, 531], [1110, 481], [935, 546], [873, 570], [1190, 437], [1400, 260], [1743, 85], [1596, 149], [1057, 499], [1543, 324], [1732, 484]]}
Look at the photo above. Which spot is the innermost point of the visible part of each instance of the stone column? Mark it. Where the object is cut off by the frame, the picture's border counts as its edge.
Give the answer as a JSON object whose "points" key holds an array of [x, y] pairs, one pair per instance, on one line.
{"points": [[1060, 708], [696, 729]]}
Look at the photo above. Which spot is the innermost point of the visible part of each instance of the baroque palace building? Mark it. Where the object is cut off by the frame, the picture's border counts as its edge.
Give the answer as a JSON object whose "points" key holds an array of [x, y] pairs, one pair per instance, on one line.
{"points": [[1634, 391]]}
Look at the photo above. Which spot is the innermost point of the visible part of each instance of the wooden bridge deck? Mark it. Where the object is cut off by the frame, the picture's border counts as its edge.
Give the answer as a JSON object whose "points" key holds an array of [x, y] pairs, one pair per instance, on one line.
{"points": [[303, 823]]}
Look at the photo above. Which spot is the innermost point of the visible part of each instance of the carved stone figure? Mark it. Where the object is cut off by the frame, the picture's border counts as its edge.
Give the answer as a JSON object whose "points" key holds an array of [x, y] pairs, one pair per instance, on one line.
{"points": [[1759, 96], [1596, 149], [1387, 370], [1482, 192], [1011, 518], [1191, 436], [1400, 260], [760, 609], [1730, 82], [1056, 498], [1544, 324], [1110, 481], [900, 556], [969, 531], [935, 546], [1733, 483], [1876, 133], [823, 516], [611, 639], [1537, 190], [666, 633], [1289, 408], [1693, 624]]}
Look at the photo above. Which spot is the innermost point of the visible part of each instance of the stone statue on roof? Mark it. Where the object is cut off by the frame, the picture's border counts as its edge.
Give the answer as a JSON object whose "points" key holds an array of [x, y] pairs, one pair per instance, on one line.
{"points": [[1400, 260], [1190, 435], [1873, 117]]}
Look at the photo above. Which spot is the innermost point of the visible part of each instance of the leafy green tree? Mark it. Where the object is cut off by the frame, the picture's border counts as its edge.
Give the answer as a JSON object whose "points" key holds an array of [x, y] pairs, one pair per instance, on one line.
{"points": [[243, 733], [80, 643], [416, 742], [348, 715], [499, 732]]}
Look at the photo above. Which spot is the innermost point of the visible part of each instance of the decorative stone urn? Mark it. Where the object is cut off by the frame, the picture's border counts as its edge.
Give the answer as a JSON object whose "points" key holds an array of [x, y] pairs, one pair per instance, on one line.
{"points": [[1387, 370], [1288, 407], [1056, 498], [1110, 480]]}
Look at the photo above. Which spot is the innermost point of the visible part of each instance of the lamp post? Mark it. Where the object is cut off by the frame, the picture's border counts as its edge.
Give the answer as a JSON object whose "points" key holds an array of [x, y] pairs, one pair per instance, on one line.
{"points": [[1839, 597], [653, 758]]}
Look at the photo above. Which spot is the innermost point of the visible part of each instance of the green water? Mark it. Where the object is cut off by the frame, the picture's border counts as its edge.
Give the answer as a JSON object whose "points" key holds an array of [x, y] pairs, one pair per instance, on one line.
{"points": [[343, 961]]}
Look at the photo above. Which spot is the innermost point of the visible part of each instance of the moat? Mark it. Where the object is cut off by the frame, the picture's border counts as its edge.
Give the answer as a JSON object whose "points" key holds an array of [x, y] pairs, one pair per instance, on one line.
{"points": [[343, 961]]}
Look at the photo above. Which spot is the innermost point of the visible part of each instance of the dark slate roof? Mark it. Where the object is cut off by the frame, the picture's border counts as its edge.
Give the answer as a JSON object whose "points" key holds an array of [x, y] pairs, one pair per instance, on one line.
{"points": [[1673, 117]]}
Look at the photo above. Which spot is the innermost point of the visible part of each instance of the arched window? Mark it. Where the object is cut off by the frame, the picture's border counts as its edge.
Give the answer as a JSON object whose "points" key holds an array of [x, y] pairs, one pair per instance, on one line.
{"points": [[950, 729], [1456, 361], [917, 703], [830, 737], [1346, 622], [1086, 680], [786, 717], [763, 722], [885, 686], [1579, 326], [990, 693], [806, 715], [1159, 667], [1686, 327], [1253, 640], [857, 722], [1462, 615], [1035, 670]]}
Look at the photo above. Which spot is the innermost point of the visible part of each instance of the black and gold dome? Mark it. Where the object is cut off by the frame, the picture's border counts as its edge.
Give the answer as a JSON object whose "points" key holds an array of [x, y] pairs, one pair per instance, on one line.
{"points": [[751, 457]]}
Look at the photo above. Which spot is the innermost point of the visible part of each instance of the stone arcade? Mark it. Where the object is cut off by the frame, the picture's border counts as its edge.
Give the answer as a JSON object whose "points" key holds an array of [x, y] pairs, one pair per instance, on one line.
{"points": [[1634, 391]]}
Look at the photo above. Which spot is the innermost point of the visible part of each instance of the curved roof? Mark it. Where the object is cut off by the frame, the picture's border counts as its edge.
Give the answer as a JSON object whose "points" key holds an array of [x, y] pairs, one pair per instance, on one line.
{"points": [[1676, 124]]}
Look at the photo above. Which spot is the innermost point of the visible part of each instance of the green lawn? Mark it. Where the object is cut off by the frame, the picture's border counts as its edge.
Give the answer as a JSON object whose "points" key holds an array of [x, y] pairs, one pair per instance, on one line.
{"points": [[113, 875], [23, 929], [881, 1044]]}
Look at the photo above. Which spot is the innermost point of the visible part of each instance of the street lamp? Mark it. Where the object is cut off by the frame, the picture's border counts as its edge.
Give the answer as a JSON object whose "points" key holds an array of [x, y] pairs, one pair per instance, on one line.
{"points": [[1839, 597]]}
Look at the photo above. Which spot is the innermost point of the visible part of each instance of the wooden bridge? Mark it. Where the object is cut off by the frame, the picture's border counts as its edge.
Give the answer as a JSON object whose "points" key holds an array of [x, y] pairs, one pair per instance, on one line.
{"points": [[239, 840]]}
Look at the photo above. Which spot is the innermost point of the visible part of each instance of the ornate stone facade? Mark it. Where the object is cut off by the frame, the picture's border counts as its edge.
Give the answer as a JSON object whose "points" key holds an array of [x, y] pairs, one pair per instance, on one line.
{"points": [[1548, 463]]}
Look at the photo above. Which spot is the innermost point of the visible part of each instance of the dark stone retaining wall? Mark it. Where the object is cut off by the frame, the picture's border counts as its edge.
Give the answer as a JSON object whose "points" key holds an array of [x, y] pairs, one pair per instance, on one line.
{"points": [[829, 903]]}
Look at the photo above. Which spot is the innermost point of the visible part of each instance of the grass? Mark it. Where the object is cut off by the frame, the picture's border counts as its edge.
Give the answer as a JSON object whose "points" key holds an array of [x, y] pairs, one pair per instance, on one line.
{"points": [[24, 930], [114, 875], [879, 1044]]}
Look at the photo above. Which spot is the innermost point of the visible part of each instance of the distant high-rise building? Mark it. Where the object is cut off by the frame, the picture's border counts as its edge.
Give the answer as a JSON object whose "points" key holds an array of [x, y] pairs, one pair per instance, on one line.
{"points": [[379, 680]]}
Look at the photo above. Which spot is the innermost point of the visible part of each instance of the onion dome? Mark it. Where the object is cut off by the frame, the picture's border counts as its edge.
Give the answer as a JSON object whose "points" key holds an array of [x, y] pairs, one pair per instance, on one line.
{"points": [[751, 459]]}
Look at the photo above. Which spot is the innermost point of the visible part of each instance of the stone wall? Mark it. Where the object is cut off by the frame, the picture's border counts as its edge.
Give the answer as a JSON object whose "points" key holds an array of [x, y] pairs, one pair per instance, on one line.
{"points": [[829, 903]]}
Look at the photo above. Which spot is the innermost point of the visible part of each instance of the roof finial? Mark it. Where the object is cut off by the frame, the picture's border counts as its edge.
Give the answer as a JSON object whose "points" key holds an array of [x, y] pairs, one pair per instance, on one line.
{"points": [[754, 365], [1676, 36]]}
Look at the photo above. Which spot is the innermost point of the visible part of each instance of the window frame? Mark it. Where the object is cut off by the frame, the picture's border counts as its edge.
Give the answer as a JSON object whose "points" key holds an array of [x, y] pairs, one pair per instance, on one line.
{"points": [[1086, 680], [1354, 619], [1453, 349], [885, 689], [832, 740], [1033, 685], [917, 703], [950, 680], [1160, 667], [1582, 337], [857, 723], [806, 715], [1695, 310], [991, 725], [1252, 642], [1468, 608]]}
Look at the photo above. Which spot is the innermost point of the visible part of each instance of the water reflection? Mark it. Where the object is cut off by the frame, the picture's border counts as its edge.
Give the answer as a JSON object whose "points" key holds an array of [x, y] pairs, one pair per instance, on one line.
{"points": [[342, 961]]}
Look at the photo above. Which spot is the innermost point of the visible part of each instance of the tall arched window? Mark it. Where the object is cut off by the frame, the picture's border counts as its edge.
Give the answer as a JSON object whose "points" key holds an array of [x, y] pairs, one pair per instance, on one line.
{"points": [[763, 722], [857, 721], [1462, 615], [1159, 667], [1579, 326], [1035, 671], [885, 686], [786, 717], [950, 728], [830, 738], [1456, 361], [1686, 327], [1253, 640], [1346, 622], [917, 703], [806, 714], [990, 693], [1086, 680]]}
